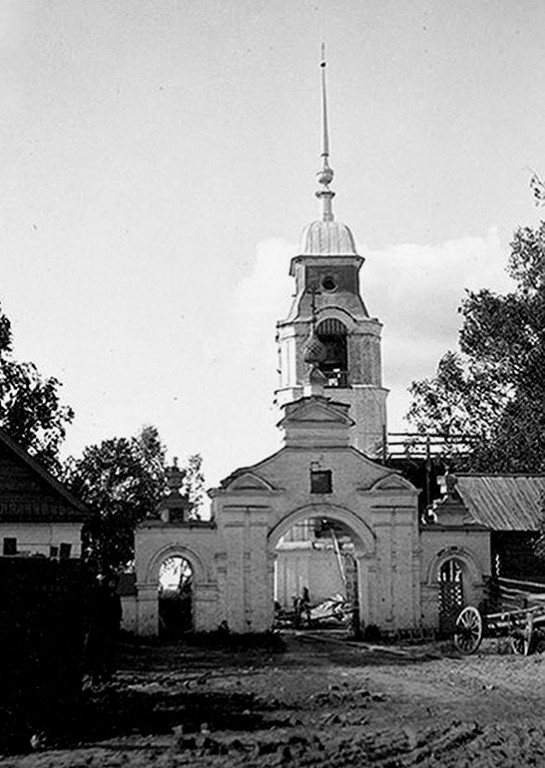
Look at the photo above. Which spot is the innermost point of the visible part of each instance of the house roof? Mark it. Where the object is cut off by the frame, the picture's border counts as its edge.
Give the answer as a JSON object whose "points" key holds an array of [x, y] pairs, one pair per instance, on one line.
{"points": [[504, 502], [20, 496]]}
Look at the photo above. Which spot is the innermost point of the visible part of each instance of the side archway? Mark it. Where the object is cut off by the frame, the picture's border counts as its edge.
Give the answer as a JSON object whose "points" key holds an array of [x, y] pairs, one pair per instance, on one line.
{"points": [[456, 577], [148, 591], [464, 556], [176, 550]]}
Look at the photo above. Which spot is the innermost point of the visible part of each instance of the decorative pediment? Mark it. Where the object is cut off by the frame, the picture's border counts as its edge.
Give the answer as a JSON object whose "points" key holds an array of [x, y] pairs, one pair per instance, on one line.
{"points": [[316, 421], [317, 410], [248, 481], [392, 484]]}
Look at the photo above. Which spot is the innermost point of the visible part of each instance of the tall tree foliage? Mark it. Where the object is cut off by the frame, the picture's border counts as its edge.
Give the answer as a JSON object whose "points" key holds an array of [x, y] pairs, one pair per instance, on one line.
{"points": [[494, 388], [122, 480], [30, 408], [193, 487]]}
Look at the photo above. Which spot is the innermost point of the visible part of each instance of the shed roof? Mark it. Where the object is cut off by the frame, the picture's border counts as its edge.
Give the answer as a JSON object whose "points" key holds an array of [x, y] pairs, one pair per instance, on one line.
{"points": [[504, 502]]}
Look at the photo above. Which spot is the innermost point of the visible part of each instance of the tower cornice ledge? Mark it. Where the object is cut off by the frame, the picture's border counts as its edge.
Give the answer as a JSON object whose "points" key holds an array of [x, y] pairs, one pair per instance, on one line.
{"points": [[344, 259]]}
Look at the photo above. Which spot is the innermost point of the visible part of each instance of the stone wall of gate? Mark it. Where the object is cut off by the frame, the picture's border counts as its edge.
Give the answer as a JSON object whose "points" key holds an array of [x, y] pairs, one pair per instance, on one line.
{"points": [[257, 506], [197, 543], [467, 544]]}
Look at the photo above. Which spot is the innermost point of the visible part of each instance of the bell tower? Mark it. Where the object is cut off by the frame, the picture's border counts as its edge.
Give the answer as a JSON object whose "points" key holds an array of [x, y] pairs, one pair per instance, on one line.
{"points": [[328, 315]]}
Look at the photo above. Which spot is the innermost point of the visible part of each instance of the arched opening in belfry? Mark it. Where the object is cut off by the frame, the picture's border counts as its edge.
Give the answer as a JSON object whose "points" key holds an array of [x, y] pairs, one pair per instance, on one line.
{"points": [[333, 335], [316, 576], [175, 594]]}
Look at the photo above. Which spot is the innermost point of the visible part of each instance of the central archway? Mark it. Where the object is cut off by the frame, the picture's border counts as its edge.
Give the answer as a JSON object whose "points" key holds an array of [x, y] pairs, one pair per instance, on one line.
{"points": [[319, 554]]}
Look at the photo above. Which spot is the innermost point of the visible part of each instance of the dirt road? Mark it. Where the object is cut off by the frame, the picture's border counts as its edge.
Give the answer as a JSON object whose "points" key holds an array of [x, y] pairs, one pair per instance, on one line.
{"points": [[316, 702]]}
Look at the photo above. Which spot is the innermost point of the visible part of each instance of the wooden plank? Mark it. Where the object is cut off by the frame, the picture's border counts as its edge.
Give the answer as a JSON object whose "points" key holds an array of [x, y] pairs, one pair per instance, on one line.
{"points": [[522, 583]]}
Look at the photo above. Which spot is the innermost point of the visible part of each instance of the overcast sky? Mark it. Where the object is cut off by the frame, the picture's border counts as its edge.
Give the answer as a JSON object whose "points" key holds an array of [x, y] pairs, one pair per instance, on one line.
{"points": [[157, 165]]}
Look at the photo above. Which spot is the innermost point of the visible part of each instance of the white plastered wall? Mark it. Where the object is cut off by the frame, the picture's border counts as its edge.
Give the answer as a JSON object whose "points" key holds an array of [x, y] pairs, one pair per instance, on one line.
{"points": [[37, 538]]}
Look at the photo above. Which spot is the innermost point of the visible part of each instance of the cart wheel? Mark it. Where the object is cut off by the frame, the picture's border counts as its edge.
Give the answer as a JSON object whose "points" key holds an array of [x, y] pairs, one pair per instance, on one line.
{"points": [[523, 642], [468, 630]]}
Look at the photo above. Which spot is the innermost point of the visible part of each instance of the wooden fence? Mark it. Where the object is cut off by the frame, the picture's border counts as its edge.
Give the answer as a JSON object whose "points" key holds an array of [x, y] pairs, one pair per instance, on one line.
{"points": [[43, 620]]}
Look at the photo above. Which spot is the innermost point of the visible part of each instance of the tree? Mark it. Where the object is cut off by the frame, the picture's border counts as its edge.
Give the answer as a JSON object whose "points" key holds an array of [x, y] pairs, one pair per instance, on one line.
{"points": [[122, 480], [193, 486], [460, 399], [494, 389], [30, 408]]}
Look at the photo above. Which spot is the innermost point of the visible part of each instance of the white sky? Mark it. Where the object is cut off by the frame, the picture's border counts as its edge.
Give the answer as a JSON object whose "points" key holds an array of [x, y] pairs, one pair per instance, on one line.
{"points": [[157, 165]]}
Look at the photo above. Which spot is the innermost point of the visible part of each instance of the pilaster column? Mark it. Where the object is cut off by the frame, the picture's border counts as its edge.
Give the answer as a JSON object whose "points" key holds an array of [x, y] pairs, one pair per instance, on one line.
{"points": [[147, 610]]}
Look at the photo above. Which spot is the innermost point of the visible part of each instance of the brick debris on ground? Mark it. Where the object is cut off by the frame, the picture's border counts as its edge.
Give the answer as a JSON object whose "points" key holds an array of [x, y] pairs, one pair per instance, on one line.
{"points": [[315, 701]]}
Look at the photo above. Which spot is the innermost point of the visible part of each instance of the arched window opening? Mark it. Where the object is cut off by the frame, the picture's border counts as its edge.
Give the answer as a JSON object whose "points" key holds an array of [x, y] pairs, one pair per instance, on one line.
{"points": [[333, 335], [451, 570], [175, 597]]}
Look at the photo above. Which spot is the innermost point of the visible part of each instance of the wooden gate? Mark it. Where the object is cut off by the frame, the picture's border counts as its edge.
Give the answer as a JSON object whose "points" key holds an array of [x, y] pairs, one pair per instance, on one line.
{"points": [[451, 596], [451, 602]]}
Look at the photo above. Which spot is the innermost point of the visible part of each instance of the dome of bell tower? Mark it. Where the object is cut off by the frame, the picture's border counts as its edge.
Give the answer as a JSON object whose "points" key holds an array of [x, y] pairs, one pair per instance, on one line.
{"points": [[327, 238]]}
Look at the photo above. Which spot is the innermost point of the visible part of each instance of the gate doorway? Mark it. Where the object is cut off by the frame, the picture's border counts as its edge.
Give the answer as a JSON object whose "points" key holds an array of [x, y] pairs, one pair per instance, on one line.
{"points": [[316, 576], [451, 595], [175, 594]]}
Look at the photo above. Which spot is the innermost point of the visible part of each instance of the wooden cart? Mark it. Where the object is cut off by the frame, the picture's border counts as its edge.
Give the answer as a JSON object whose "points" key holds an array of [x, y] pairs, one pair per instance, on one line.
{"points": [[524, 627]]}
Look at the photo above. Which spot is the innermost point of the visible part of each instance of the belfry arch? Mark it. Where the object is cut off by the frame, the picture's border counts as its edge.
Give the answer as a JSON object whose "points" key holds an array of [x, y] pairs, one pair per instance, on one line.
{"points": [[333, 335]]}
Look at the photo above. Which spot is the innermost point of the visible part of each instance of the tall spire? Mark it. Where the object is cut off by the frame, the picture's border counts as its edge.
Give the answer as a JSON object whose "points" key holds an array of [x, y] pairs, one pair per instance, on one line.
{"points": [[325, 174]]}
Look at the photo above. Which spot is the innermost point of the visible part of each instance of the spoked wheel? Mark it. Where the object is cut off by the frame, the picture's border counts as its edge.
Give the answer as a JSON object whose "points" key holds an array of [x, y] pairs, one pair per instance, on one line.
{"points": [[468, 630], [522, 642]]}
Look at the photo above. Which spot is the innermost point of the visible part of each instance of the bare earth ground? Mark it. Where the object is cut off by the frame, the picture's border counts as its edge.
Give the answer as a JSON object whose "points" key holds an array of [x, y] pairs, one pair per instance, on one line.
{"points": [[319, 702]]}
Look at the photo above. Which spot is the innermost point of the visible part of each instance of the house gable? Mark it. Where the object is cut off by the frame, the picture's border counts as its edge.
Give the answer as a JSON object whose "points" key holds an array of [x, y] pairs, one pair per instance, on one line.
{"points": [[28, 493]]}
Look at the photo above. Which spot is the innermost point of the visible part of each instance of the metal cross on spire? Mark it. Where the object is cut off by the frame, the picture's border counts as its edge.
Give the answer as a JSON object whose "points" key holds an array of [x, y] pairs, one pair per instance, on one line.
{"points": [[325, 174]]}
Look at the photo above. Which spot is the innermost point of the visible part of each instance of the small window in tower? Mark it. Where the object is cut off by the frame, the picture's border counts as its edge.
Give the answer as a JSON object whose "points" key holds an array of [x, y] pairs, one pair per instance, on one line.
{"points": [[321, 481], [328, 283], [10, 546]]}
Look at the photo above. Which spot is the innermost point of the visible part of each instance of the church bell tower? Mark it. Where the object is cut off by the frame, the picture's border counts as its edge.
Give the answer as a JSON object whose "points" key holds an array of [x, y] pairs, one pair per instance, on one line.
{"points": [[328, 324]]}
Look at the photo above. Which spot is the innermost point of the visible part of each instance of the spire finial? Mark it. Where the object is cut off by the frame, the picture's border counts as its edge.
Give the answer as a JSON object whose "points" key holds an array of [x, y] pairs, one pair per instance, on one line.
{"points": [[325, 174]]}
